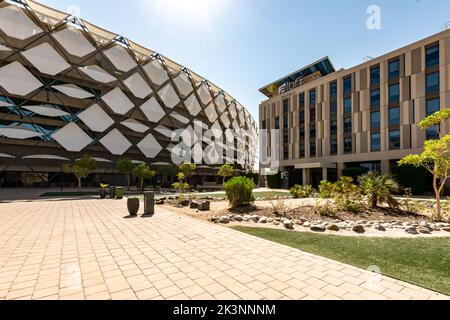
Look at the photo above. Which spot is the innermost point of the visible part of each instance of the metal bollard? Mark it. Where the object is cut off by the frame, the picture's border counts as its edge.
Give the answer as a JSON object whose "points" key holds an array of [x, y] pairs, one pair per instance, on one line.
{"points": [[149, 203]]}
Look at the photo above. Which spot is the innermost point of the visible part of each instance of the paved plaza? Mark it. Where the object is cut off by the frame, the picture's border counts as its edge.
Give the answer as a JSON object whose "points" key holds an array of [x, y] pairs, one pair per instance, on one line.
{"points": [[89, 249]]}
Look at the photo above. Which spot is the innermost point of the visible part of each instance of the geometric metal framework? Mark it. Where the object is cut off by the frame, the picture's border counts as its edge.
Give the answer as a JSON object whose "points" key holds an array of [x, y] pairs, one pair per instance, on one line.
{"points": [[68, 87]]}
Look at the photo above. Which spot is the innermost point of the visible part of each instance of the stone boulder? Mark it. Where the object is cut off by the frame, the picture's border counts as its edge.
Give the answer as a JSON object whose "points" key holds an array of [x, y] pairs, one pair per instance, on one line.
{"points": [[195, 204], [288, 224], [412, 230], [263, 220], [318, 228], [237, 219], [205, 206], [333, 227], [380, 228], [224, 220], [358, 228]]}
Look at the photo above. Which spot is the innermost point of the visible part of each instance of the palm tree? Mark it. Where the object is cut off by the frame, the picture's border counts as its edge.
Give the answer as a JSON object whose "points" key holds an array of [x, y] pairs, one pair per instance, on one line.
{"points": [[379, 188]]}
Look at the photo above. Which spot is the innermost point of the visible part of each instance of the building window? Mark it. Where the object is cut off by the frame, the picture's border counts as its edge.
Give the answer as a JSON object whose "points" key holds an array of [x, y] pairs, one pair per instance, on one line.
{"points": [[301, 99], [333, 147], [312, 132], [394, 93], [301, 116], [333, 90], [285, 106], [333, 108], [394, 69], [432, 82], [375, 142], [433, 106], [302, 133], [375, 98], [375, 75], [312, 115], [312, 150], [264, 125], [312, 98], [302, 150], [432, 56], [286, 136], [394, 117], [394, 140], [348, 85], [348, 105], [286, 120], [348, 145], [348, 125], [277, 123], [286, 153], [333, 127], [375, 120]]}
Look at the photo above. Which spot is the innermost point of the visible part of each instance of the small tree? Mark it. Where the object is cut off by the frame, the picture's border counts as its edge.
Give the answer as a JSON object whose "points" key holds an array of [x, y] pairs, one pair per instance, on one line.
{"points": [[436, 157], [226, 171], [142, 172], [125, 166], [81, 168], [188, 170], [181, 185]]}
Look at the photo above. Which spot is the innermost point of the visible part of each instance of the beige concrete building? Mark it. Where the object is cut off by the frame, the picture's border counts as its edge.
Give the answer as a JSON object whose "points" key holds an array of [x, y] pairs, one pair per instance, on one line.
{"points": [[364, 116]]}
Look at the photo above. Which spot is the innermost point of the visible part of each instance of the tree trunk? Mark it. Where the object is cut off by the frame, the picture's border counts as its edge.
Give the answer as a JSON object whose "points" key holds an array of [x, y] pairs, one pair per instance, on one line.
{"points": [[223, 182], [438, 215], [79, 184], [142, 185]]}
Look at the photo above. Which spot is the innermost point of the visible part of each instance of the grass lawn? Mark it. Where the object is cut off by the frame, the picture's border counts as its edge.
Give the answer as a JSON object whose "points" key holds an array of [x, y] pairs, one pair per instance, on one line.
{"points": [[68, 194], [423, 262], [257, 194]]}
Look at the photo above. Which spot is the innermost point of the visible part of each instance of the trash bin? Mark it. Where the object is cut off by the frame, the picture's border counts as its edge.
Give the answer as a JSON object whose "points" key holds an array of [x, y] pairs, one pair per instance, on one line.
{"points": [[112, 192], [149, 203], [119, 193]]}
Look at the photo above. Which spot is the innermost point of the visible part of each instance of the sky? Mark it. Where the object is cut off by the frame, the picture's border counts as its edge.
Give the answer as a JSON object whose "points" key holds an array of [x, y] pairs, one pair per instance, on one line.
{"points": [[243, 45]]}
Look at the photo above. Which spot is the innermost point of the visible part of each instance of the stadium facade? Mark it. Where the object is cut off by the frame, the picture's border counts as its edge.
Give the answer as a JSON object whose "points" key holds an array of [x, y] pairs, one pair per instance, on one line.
{"points": [[69, 88]]}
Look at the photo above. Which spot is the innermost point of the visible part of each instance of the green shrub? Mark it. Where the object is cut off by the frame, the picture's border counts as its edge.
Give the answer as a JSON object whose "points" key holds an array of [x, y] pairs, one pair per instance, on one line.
{"points": [[379, 189], [302, 192], [410, 205], [347, 196], [326, 210], [239, 192], [326, 189], [274, 181], [411, 177], [354, 172]]}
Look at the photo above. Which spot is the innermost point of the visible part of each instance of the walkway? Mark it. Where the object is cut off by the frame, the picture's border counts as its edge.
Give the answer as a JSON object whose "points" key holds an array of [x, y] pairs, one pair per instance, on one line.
{"points": [[87, 249]]}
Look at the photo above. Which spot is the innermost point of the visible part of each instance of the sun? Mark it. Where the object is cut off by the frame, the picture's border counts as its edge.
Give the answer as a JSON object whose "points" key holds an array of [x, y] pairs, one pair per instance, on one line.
{"points": [[194, 15]]}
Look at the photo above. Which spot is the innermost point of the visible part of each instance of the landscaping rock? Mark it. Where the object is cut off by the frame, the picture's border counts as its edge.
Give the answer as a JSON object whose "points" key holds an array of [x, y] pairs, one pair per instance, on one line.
{"points": [[254, 218], [288, 224], [205, 206], [358, 228], [276, 223], [185, 203], [307, 224], [214, 219], [195, 204], [424, 230], [380, 228], [446, 229], [333, 227], [159, 202], [224, 220], [318, 228], [263, 220], [412, 230], [237, 219]]}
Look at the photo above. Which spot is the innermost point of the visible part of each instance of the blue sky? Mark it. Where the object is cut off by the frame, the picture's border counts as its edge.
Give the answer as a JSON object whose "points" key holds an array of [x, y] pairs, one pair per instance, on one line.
{"points": [[242, 45]]}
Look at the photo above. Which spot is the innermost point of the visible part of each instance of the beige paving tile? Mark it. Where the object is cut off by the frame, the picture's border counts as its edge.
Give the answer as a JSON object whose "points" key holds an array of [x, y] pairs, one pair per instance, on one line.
{"points": [[84, 249]]}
